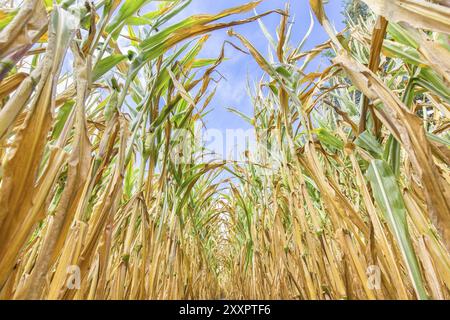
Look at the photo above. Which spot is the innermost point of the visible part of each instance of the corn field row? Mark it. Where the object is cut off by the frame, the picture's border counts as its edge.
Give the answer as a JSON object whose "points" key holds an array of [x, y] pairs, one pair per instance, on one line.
{"points": [[92, 205]]}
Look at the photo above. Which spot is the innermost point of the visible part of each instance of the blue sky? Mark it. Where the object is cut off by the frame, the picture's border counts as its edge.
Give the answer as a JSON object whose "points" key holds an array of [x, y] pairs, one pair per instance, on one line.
{"points": [[232, 91], [240, 69]]}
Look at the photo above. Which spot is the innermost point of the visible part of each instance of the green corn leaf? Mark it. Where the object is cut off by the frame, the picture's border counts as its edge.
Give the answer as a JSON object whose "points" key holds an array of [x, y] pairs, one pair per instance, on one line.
{"points": [[368, 142], [389, 198], [329, 139], [106, 64]]}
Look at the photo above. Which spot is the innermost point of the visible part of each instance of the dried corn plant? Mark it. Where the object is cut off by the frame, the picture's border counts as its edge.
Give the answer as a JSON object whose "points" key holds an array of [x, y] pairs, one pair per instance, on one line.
{"points": [[352, 202]]}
